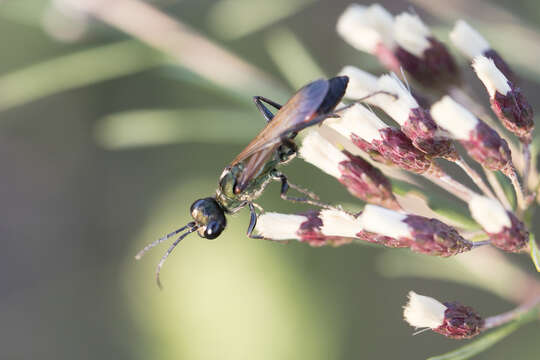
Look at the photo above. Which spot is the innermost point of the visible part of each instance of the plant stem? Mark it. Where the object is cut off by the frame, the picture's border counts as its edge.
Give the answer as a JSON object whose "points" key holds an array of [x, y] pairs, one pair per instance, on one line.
{"points": [[475, 177], [520, 197], [496, 185], [452, 186], [501, 319]]}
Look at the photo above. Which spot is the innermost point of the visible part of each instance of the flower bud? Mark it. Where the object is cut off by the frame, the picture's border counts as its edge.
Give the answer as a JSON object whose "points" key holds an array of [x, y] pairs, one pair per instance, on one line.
{"points": [[370, 29], [363, 83], [471, 44], [505, 230], [507, 101], [315, 227], [482, 142], [450, 319], [361, 178], [382, 142], [415, 121], [420, 54], [423, 235]]}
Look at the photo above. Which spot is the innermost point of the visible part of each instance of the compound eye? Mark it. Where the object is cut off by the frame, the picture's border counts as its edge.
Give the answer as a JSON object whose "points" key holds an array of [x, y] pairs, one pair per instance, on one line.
{"points": [[213, 230]]}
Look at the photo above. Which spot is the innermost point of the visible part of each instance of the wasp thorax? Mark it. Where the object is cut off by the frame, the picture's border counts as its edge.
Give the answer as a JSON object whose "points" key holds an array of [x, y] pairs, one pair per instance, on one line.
{"points": [[209, 217]]}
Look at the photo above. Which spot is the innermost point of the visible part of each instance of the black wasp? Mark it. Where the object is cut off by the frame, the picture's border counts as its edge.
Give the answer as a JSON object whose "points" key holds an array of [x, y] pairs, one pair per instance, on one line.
{"points": [[245, 178]]}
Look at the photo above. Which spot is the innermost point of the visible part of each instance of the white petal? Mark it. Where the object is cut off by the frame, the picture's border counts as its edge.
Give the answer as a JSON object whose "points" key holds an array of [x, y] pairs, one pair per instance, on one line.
{"points": [[366, 27], [339, 223], [384, 222], [454, 118], [489, 213], [424, 311], [468, 40], [361, 83], [320, 152], [398, 109], [411, 33], [360, 121], [493, 79], [279, 226]]}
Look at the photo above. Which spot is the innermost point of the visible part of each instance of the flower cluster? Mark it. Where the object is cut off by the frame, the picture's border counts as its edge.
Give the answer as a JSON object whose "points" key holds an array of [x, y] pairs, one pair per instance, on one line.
{"points": [[423, 140]]}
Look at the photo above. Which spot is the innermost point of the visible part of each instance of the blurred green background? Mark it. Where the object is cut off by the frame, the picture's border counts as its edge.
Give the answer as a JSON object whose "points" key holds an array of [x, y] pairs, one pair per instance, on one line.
{"points": [[104, 144]]}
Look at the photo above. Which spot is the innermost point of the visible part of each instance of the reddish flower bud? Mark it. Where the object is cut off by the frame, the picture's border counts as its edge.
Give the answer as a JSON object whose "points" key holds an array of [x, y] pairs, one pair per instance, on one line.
{"points": [[316, 227], [507, 101], [420, 234], [415, 122], [460, 322], [450, 319], [420, 54], [383, 143], [505, 230], [472, 44], [370, 29], [482, 142], [361, 178]]}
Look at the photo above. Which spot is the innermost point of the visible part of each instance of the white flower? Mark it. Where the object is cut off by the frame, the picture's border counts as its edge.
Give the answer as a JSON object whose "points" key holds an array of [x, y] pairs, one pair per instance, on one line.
{"points": [[385, 222], [468, 40], [365, 28], [411, 33], [277, 226], [320, 152], [359, 121], [361, 83], [492, 78], [424, 311], [454, 118], [398, 108], [339, 223], [489, 213]]}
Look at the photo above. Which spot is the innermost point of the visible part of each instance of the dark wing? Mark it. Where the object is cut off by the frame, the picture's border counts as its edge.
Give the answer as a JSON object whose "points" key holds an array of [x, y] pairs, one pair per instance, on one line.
{"points": [[306, 108], [300, 108]]}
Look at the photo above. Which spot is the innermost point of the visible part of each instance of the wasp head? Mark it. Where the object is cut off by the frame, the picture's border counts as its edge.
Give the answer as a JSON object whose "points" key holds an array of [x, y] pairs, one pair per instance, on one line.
{"points": [[209, 217]]}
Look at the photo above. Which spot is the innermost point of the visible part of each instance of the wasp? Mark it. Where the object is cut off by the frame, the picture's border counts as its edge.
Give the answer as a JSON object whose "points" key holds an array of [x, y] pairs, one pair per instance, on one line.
{"points": [[246, 177]]}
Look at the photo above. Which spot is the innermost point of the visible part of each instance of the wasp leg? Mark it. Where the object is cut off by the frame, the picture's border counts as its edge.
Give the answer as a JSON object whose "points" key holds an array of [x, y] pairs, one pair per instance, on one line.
{"points": [[253, 222], [365, 98], [268, 115], [285, 185]]}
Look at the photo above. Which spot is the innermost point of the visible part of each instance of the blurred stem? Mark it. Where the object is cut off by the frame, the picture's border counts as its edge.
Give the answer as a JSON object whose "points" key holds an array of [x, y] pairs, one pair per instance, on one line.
{"points": [[194, 51], [75, 70], [521, 202], [292, 58], [475, 177], [496, 185], [501, 319], [452, 186]]}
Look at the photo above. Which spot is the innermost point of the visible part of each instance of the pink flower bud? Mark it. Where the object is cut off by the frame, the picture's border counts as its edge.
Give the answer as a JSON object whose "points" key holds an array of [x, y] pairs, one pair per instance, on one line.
{"points": [[415, 122], [505, 230], [316, 227], [420, 234], [361, 178], [370, 29], [383, 143], [507, 101], [482, 142], [420, 54], [472, 44], [450, 319]]}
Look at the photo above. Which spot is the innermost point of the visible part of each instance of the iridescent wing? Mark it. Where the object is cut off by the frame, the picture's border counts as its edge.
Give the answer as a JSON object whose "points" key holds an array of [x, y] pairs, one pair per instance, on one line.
{"points": [[300, 108], [305, 108]]}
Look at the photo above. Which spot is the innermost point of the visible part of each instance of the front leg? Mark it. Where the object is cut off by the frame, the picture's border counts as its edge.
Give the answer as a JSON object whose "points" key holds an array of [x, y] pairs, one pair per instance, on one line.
{"points": [[253, 221]]}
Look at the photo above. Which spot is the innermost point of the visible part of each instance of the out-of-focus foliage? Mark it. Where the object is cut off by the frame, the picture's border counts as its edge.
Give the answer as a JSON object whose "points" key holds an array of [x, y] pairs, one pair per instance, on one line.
{"points": [[81, 195]]}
